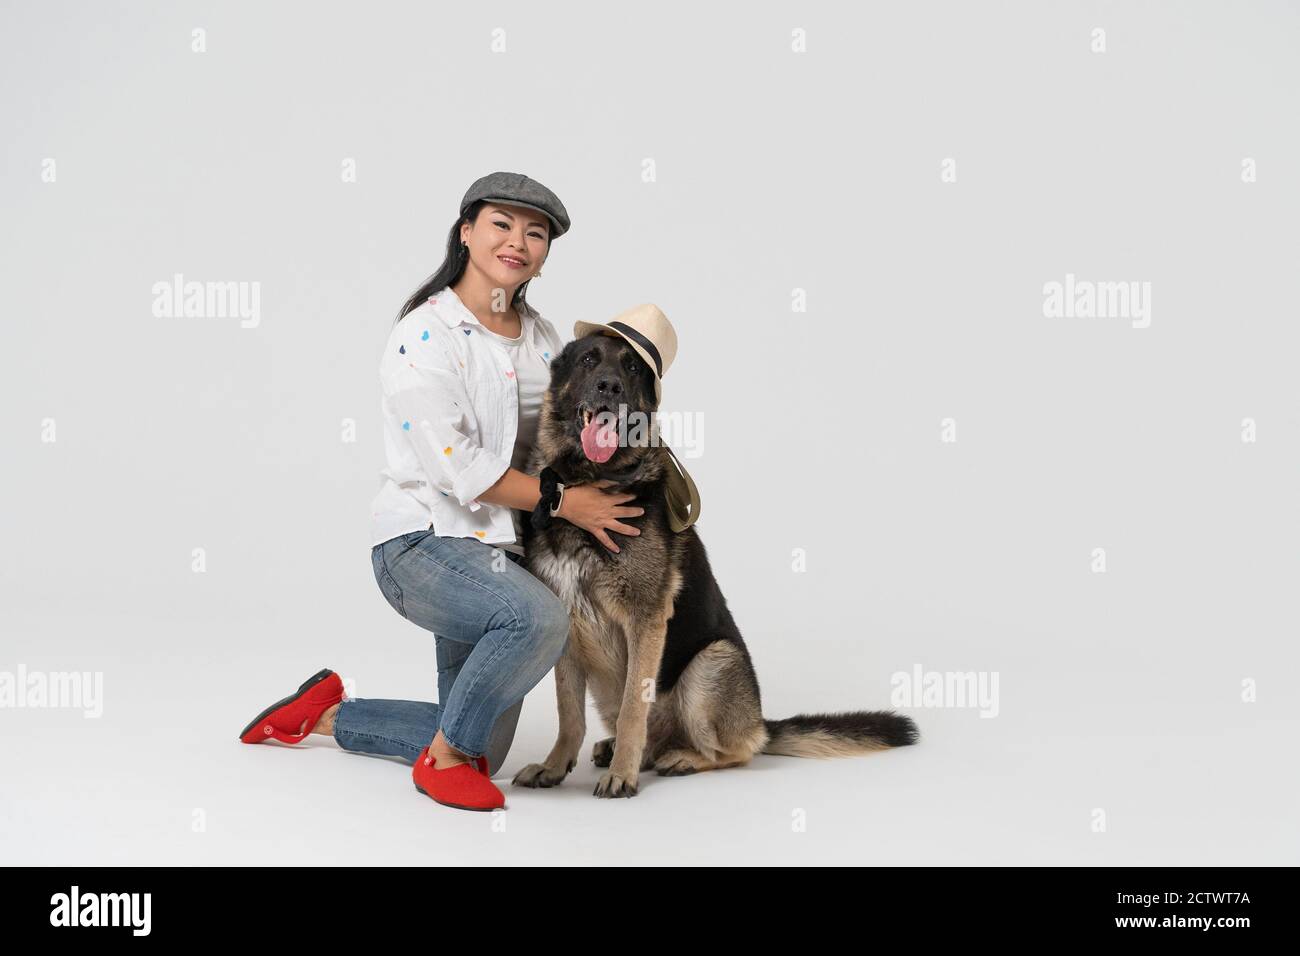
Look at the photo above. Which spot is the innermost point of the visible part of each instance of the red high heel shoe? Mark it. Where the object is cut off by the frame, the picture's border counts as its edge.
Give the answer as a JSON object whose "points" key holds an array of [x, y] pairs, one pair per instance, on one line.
{"points": [[282, 719], [464, 786]]}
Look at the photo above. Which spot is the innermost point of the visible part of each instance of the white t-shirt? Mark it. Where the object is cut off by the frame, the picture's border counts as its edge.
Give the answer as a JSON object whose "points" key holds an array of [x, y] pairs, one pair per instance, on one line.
{"points": [[533, 375]]}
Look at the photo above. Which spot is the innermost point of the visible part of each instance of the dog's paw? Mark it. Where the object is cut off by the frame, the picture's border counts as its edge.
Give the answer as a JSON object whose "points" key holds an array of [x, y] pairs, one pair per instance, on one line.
{"points": [[540, 775], [679, 769], [612, 784], [602, 752], [677, 763]]}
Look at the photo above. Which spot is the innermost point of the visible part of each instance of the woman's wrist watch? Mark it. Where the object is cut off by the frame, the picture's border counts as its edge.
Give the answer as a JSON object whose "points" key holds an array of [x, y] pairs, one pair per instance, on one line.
{"points": [[551, 495]]}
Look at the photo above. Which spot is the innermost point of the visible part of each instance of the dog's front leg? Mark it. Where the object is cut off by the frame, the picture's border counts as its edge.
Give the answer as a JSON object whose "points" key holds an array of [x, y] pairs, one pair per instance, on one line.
{"points": [[644, 653], [571, 697]]}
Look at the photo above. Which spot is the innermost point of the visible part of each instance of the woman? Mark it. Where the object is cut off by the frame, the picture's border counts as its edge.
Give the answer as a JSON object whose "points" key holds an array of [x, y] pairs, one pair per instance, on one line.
{"points": [[463, 378]]}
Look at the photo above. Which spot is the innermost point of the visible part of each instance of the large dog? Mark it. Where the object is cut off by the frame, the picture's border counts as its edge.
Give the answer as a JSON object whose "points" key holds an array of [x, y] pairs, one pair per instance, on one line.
{"points": [[650, 632]]}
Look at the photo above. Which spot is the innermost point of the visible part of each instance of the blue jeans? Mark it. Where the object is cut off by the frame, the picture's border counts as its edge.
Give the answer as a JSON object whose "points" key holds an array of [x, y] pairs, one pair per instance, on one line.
{"points": [[497, 631]]}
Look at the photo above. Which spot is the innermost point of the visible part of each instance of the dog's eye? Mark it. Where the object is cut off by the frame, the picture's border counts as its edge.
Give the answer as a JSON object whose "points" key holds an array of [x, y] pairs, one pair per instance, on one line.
{"points": [[589, 360]]}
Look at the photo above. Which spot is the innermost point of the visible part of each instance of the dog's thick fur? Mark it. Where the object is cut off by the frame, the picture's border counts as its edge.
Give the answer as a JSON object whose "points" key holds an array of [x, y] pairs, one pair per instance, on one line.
{"points": [[650, 632]]}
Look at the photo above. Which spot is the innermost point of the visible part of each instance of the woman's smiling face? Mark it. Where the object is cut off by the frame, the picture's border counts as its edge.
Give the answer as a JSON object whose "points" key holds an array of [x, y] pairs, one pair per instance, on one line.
{"points": [[508, 243]]}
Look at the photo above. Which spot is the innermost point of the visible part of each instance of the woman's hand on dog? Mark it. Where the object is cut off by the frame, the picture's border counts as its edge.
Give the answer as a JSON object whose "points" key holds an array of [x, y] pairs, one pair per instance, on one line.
{"points": [[598, 511]]}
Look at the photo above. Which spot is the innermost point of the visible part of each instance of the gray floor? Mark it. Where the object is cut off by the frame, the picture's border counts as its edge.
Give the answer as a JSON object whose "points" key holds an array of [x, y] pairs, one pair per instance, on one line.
{"points": [[160, 777]]}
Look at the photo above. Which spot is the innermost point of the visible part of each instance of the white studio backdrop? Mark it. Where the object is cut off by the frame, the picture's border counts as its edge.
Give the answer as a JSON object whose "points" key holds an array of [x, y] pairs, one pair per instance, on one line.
{"points": [[987, 331]]}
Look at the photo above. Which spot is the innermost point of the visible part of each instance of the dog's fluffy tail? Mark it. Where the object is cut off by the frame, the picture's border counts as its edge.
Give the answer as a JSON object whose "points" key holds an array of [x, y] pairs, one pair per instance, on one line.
{"points": [[839, 735]]}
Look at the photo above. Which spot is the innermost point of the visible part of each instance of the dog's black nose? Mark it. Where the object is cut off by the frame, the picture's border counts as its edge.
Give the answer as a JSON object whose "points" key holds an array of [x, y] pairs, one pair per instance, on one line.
{"points": [[606, 387]]}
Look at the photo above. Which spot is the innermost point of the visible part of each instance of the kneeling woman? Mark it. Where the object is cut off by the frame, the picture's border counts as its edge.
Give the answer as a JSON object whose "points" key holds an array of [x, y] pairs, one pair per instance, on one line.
{"points": [[463, 377]]}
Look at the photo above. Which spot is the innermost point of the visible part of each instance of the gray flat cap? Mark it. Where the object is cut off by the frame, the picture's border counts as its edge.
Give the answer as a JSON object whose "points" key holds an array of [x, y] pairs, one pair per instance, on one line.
{"points": [[517, 189]]}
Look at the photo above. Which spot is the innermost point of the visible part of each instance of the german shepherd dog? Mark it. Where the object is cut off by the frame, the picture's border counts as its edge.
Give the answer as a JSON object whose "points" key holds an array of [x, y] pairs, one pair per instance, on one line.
{"points": [[650, 633]]}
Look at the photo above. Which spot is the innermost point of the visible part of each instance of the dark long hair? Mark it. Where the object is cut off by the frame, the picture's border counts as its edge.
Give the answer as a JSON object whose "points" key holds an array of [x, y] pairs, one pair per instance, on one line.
{"points": [[453, 267]]}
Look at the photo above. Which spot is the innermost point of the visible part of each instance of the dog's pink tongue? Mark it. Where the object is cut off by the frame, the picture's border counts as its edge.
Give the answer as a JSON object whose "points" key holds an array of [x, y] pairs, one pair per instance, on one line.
{"points": [[599, 439]]}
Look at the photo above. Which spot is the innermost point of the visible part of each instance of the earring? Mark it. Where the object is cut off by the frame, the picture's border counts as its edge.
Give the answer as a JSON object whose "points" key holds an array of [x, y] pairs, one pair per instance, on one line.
{"points": [[538, 275]]}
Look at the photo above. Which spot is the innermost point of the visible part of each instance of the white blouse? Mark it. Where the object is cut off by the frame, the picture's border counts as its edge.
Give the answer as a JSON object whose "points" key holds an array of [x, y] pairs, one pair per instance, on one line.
{"points": [[459, 407]]}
